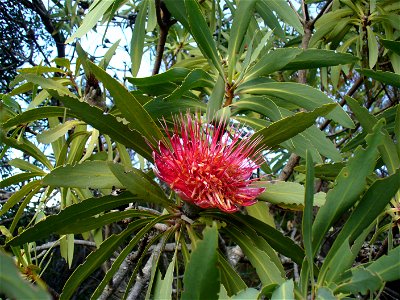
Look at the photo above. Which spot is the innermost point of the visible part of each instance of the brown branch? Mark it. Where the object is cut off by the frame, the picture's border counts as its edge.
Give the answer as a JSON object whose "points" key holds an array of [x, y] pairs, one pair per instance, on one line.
{"points": [[308, 29], [304, 7], [57, 243], [164, 22], [295, 11], [142, 279], [342, 102], [38, 7], [324, 10]]}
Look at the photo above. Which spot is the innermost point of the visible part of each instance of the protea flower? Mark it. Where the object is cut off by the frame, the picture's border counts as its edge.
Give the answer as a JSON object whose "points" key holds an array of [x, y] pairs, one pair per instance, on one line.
{"points": [[206, 166]]}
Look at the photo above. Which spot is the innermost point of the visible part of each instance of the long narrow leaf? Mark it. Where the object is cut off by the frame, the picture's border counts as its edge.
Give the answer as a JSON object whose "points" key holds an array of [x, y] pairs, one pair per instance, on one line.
{"points": [[138, 35], [201, 279], [129, 106], [240, 24], [106, 123], [308, 210], [71, 215], [350, 183], [98, 257], [287, 128]]}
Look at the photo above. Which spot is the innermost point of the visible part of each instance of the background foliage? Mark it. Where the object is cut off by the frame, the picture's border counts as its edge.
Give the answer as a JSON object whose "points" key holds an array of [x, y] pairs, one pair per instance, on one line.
{"points": [[82, 214]]}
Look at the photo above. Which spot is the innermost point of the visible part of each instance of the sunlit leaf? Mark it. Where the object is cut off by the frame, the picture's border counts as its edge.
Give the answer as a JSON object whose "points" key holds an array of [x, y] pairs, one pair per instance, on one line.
{"points": [[201, 279], [138, 35], [97, 10], [341, 197], [14, 286]]}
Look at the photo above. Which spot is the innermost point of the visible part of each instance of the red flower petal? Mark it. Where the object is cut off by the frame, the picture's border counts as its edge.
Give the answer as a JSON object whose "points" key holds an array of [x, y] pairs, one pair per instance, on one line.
{"points": [[207, 167]]}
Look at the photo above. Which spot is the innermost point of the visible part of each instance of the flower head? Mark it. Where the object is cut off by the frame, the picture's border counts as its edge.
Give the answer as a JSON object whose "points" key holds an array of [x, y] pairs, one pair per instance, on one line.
{"points": [[206, 166]]}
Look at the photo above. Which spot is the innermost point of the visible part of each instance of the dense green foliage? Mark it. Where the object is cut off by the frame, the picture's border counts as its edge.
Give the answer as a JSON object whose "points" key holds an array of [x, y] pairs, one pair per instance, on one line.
{"points": [[317, 81]]}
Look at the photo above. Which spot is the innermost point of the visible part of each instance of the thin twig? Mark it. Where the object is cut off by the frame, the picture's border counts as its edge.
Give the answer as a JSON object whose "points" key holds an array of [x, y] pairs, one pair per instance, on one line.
{"points": [[142, 279], [164, 22], [57, 243], [294, 158], [326, 7], [342, 102], [295, 11]]}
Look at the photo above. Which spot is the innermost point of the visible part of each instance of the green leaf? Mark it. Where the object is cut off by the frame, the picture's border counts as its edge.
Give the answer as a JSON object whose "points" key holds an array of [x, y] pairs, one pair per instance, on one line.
{"points": [[368, 121], [288, 127], [387, 267], [267, 271], [123, 254], [107, 124], [361, 281], [46, 83], [18, 178], [70, 217], [40, 70], [298, 94], [397, 129], [247, 294], [260, 211], [231, 280], [139, 183], [284, 291], [175, 75], [272, 61], [287, 194], [129, 106], [37, 114], [286, 13], [391, 45], [109, 54], [25, 165], [28, 148], [201, 33], [95, 222], [159, 109], [324, 293], [21, 209], [216, 98], [311, 135], [365, 213], [138, 34], [201, 278], [269, 18], [88, 174], [19, 195], [308, 213], [96, 11], [324, 171], [240, 24], [275, 238], [196, 78], [177, 9], [349, 184], [373, 51], [163, 288], [95, 259], [14, 286], [317, 58], [384, 77], [51, 135], [295, 59]]}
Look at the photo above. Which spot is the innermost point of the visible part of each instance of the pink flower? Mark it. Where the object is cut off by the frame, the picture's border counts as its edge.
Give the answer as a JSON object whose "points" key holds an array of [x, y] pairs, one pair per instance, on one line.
{"points": [[206, 166]]}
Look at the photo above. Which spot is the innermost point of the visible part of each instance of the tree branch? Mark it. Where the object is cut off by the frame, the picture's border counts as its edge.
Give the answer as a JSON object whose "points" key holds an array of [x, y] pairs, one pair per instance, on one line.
{"points": [[308, 28], [351, 91], [326, 7], [164, 22], [38, 7], [141, 280]]}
